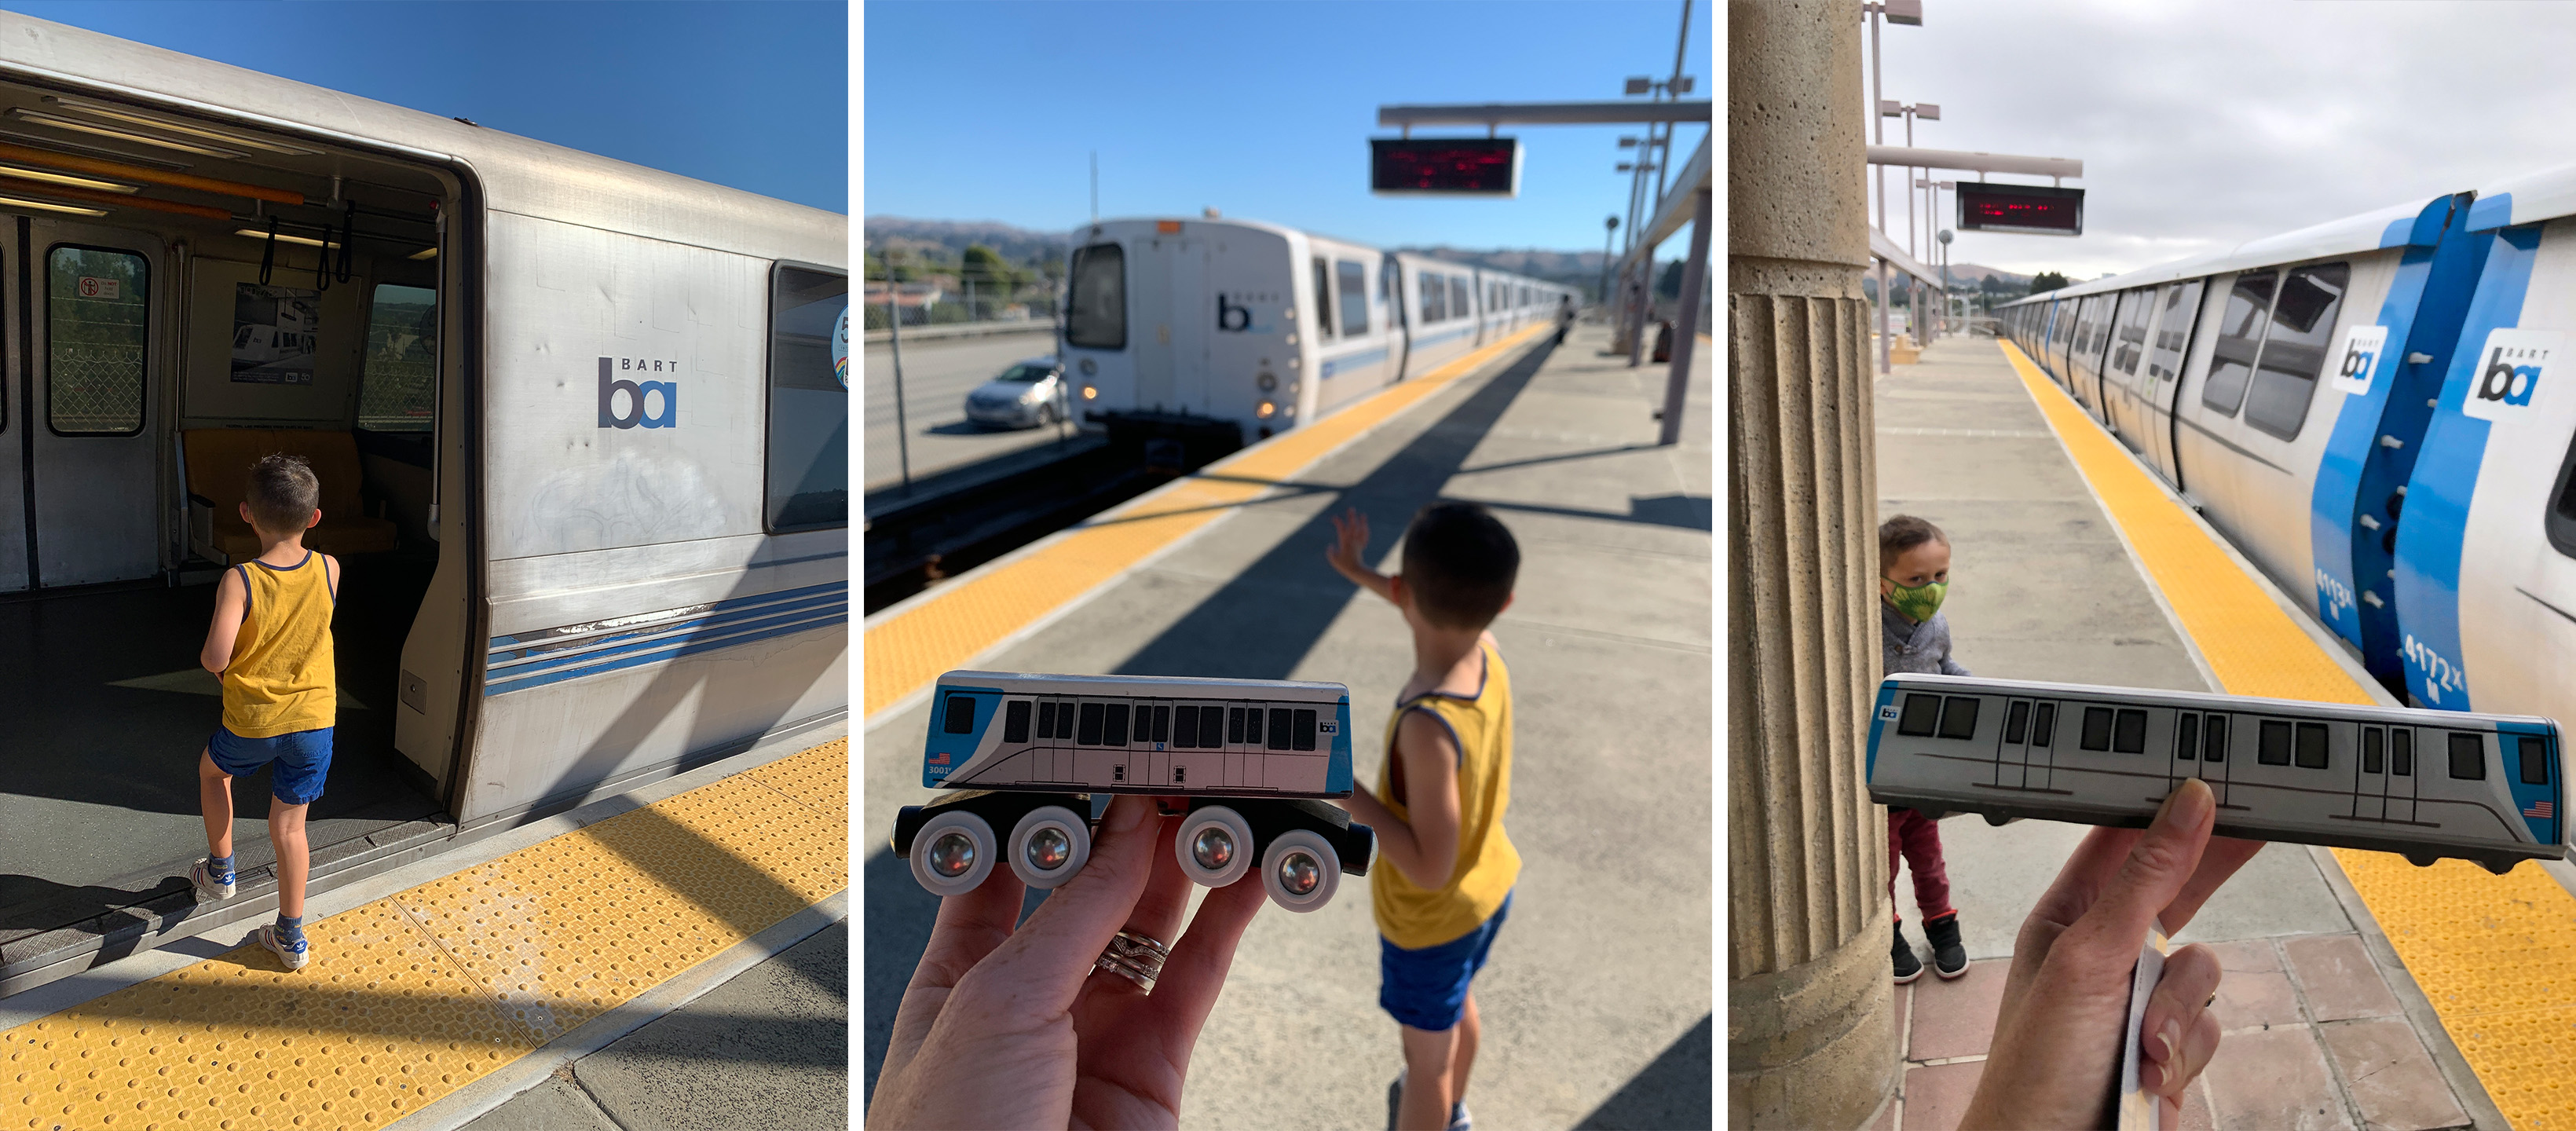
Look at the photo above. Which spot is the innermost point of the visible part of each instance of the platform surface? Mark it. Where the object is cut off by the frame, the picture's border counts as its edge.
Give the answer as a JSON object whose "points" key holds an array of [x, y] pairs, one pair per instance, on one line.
{"points": [[2343, 1002], [1597, 1001]]}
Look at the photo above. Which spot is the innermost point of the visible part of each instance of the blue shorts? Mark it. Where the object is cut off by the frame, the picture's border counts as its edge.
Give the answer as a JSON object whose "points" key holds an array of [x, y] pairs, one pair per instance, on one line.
{"points": [[303, 759], [1427, 989]]}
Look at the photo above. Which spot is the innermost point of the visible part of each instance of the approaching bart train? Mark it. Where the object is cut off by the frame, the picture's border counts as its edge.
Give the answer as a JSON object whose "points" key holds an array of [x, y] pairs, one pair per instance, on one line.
{"points": [[2422, 783], [1026, 752]]}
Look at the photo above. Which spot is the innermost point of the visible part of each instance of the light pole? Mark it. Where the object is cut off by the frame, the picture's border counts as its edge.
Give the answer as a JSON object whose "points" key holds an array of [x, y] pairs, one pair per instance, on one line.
{"points": [[1908, 13], [1930, 112], [1609, 227]]}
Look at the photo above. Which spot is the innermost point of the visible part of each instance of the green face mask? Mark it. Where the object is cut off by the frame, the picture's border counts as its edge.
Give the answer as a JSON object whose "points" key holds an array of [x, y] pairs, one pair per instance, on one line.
{"points": [[1918, 602]]}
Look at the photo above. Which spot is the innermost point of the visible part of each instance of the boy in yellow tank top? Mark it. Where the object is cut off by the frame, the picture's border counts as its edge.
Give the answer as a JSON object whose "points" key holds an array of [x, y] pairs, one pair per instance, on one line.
{"points": [[271, 643], [1444, 881]]}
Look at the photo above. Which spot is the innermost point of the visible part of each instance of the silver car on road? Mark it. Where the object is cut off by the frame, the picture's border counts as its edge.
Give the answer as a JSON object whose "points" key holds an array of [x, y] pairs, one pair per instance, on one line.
{"points": [[1030, 393]]}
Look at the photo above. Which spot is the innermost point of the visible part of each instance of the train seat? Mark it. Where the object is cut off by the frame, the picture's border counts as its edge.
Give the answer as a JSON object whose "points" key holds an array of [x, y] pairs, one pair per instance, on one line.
{"points": [[215, 462]]}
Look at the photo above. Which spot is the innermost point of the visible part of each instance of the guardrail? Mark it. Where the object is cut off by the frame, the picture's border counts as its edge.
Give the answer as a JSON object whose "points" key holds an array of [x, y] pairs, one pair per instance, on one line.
{"points": [[964, 330]]}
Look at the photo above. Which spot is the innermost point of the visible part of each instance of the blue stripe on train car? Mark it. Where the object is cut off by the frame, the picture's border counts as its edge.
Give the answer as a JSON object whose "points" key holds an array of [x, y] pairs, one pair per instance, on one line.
{"points": [[1337, 770], [1347, 362], [2446, 478], [724, 624], [1881, 713], [945, 751], [2537, 801]]}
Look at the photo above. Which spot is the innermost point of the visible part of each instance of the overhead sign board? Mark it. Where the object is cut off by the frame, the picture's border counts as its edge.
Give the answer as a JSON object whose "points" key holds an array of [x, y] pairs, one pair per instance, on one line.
{"points": [[1453, 166], [2035, 210]]}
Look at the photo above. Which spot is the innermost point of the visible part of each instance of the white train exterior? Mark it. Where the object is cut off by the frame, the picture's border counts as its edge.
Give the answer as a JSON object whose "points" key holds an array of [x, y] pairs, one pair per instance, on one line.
{"points": [[1228, 332], [2423, 783], [1027, 752], [631, 457], [2371, 409]]}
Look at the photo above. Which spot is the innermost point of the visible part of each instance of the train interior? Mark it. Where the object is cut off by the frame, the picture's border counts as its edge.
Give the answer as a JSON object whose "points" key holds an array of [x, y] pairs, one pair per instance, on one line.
{"points": [[183, 296]]}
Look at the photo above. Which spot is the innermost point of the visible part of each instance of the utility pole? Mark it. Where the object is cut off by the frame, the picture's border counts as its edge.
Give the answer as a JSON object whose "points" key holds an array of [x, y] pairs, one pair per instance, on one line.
{"points": [[894, 338]]}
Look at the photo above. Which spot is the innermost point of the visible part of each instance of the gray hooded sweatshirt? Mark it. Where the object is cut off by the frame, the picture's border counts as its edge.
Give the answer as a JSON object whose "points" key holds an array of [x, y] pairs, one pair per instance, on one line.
{"points": [[1920, 649]]}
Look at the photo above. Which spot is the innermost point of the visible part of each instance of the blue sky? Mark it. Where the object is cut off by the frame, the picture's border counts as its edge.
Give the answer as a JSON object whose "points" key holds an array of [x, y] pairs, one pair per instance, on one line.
{"points": [[987, 111], [749, 95]]}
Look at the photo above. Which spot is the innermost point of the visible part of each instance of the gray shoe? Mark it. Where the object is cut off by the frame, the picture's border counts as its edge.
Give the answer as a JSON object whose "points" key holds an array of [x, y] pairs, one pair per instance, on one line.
{"points": [[294, 954], [204, 881]]}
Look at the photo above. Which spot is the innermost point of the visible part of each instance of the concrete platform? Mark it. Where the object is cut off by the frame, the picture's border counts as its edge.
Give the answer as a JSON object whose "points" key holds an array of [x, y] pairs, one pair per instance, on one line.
{"points": [[2323, 1026], [1597, 1002]]}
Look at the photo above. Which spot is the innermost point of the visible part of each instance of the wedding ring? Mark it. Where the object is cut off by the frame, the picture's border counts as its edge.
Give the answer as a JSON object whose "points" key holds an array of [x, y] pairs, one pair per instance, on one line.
{"points": [[1135, 957]]}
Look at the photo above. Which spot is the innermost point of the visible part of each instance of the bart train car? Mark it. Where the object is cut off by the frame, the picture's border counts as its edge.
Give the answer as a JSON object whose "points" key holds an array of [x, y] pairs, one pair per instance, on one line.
{"points": [[581, 441], [1220, 333], [2369, 409], [2423, 783], [1027, 752]]}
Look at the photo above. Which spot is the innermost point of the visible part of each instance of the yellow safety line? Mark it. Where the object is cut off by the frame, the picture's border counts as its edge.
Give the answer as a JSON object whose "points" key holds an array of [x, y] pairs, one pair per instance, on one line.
{"points": [[906, 652], [420, 993], [2495, 955]]}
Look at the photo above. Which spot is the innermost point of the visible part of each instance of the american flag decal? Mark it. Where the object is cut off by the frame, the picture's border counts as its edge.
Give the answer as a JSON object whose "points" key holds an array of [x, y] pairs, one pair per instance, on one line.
{"points": [[2539, 809], [939, 759]]}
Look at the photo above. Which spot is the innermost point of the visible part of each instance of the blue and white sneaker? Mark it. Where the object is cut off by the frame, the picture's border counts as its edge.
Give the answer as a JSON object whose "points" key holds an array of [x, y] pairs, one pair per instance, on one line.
{"points": [[209, 886], [294, 954]]}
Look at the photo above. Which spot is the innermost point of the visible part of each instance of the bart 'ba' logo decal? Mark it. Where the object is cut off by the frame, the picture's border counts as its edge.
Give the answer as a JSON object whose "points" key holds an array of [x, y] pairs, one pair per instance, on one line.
{"points": [[628, 403], [2512, 371]]}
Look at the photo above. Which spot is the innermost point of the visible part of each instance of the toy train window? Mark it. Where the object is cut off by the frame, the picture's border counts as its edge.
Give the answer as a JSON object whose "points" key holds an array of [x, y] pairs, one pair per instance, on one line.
{"points": [[2043, 724], [2272, 743], [1113, 725], [1233, 725], [1046, 719], [1252, 726], [1087, 732], [2468, 756], [2097, 728], [2129, 734], [2016, 722], [2371, 741], [1303, 729], [1211, 726], [1278, 728], [1185, 727], [961, 715], [1958, 717], [1922, 716], [1015, 721], [2401, 752], [2312, 746], [2535, 760], [2186, 735]]}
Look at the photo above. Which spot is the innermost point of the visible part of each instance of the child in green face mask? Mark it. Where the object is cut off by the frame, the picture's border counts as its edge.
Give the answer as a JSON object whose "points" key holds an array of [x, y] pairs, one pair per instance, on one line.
{"points": [[1913, 576]]}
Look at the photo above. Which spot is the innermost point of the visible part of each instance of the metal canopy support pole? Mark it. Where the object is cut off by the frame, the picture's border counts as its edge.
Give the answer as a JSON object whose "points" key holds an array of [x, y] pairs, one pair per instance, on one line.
{"points": [[894, 338], [1686, 324], [1878, 125]]}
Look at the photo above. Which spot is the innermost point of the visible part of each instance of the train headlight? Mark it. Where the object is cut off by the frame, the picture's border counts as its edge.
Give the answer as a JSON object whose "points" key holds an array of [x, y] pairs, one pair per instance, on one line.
{"points": [[1089, 367], [1090, 392], [1265, 410], [1267, 382]]}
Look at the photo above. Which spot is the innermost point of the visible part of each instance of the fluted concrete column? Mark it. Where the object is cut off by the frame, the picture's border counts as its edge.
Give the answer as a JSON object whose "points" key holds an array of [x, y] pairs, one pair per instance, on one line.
{"points": [[1810, 1039]]}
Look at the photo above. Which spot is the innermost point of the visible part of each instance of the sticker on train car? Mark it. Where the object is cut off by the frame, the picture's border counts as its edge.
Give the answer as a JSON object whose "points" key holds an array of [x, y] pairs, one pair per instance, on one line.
{"points": [[2360, 354], [2512, 371]]}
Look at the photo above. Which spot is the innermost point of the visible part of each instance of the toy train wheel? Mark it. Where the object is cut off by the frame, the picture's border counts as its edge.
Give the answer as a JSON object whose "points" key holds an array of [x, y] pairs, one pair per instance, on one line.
{"points": [[1300, 871], [2421, 859], [2498, 864], [1999, 820], [953, 853], [1049, 846], [1215, 846]]}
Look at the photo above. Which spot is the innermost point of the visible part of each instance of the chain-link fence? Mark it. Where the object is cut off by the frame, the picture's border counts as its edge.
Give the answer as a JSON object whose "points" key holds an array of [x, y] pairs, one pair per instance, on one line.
{"points": [[94, 349], [944, 306]]}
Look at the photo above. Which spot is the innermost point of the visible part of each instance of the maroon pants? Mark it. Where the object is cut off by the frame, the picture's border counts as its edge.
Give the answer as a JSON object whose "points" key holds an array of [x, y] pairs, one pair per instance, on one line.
{"points": [[1917, 839]]}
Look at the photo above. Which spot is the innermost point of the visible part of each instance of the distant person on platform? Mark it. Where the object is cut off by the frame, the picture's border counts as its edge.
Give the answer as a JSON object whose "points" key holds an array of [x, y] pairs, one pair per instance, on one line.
{"points": [[271, 644], [1913, 576], [1445, 871], [1564, 317]]}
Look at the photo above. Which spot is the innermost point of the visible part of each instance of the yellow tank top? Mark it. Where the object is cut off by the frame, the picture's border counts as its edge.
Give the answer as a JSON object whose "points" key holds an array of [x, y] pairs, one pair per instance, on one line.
{"points": [[283, 678], [1408, 915]]}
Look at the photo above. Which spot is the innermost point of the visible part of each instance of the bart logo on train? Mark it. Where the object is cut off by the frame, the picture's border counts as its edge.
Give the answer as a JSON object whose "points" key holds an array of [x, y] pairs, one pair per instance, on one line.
{"points": [[2510, 372], [2361, 346], [639, 406]]}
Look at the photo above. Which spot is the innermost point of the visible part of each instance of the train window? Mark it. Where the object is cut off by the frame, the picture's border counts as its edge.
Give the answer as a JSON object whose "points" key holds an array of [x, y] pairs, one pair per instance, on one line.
{"points": [[1921, 716], [1064, 720], [96, 325], [2129, 342], [1305, 729], [2017, 722], [1354, 282], [2312, 746], [2401, 751], [2173, 331], [1113, 725], [1046, 720], [2213, 739], [1435, 298], [1089, 734], [1323, 297], [1015, 721], [1233, 725], [2129, 734], [1959, 717], [2272, 743], [1162, 725], [2285, 378], [1252, 726], [961, 715], [2240, 337], [1095, 307], [2097, 728], [2043, 724], [809, 401], [1185, 727], [2372, 754], [398, 382], [1459, 306], [1211, 727], [2186, 735], [2535, 760], [1279, 725], [2468, 756]]}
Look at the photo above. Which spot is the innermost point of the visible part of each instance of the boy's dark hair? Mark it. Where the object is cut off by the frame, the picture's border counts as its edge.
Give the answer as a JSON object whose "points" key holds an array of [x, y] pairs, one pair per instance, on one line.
{"points": [[1459, 562], [1904, 532], [282, 492]]}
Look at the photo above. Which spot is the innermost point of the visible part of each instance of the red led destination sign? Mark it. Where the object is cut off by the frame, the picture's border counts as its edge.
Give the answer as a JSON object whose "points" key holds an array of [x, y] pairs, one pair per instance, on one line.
{"points": [[1455, 166], [2028, 209]]}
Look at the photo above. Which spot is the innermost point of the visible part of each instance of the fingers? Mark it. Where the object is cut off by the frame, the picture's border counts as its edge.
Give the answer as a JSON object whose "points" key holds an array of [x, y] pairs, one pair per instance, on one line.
{"points": [[969, 927], [1049, 955], [1195, 975], [1157, 914], [2180, 999], [2159, 865]]}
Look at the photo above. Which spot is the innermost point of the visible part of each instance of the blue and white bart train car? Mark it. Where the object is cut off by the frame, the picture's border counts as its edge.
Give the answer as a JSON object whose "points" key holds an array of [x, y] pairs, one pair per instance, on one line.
{"points": [[1027, 752], [2422, 783]]}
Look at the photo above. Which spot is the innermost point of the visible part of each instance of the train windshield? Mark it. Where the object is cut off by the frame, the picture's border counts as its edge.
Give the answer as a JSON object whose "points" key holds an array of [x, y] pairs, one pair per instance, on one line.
{"points": [[1096, 307]]}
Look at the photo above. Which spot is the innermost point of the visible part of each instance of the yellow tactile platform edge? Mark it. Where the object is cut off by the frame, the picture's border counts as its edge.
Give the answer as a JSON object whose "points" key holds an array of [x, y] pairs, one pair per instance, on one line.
{"points": [[418, 994], [906, 652], [2495, 955]]}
